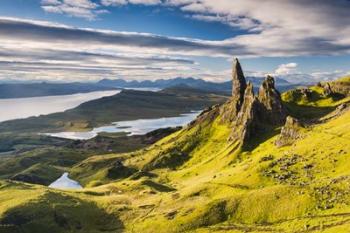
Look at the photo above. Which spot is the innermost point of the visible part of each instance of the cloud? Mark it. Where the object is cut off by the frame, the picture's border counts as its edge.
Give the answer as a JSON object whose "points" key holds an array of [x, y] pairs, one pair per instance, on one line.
{"points": [[56, 52], [125, 2], [278, 27], [241, 22], [292, 74], [285, 69], [76, 8], [114, 2], [45, 34], [272, 27]]}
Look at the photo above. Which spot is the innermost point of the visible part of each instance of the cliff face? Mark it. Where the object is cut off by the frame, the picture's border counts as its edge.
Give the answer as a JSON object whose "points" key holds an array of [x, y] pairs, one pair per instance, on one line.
{"points": [[247, 113], [239, 85], [272, 110]]}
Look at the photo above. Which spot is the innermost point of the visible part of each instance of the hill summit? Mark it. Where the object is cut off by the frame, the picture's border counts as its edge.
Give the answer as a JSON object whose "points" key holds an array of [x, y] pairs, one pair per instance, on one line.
{"points": [[247, 113]]}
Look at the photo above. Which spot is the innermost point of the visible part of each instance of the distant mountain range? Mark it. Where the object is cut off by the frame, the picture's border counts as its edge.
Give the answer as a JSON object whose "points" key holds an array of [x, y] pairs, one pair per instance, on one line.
{"points": [[21, 90], [223, 87]]}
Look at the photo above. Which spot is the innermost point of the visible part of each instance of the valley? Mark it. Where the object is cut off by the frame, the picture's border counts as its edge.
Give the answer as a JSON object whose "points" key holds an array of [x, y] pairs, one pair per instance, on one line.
{"points": [[256, 162]]}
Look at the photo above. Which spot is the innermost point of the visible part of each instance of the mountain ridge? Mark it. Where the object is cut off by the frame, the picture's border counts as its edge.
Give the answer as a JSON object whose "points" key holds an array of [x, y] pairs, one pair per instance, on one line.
{"points": [[38, 89], [293, 177]]}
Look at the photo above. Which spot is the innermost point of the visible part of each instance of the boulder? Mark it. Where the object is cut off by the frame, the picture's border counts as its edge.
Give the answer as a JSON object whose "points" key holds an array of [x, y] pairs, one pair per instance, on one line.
{"points": [[290, 132]]}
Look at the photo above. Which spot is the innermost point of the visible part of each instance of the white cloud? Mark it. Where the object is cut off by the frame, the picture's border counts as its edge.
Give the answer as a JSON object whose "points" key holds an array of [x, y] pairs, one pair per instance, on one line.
{"points": [[285, 69], [113, 2], [50, 2], [55, 51], [75, 8], [292, 74], [276, 27], [124, 2], [242, 22]]}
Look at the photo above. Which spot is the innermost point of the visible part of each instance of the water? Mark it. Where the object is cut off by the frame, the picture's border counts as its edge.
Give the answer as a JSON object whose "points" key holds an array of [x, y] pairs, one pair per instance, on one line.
{"points": [[34, 106], [65, 183], [135, 127], [152, 89]]}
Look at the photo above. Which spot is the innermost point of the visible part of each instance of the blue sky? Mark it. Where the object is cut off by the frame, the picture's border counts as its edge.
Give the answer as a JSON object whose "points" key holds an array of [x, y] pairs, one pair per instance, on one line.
{"points": [[86, 40]]}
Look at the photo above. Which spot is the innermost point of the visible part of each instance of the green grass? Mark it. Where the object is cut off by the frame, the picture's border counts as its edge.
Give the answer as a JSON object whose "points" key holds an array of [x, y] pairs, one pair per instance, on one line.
{"points": [[313, 105], [38, 209], [195, 180]]}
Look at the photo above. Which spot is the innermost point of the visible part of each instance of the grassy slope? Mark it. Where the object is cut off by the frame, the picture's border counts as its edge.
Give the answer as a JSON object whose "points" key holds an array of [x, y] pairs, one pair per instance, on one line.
{"points": [[196, 181], [38, 209], [43, 159]]}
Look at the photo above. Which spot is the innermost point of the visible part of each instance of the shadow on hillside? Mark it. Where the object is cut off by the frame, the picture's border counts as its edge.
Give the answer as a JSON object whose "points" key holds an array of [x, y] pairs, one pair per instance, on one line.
{"points": [[307, 112], [58, 212], [261, 137]]}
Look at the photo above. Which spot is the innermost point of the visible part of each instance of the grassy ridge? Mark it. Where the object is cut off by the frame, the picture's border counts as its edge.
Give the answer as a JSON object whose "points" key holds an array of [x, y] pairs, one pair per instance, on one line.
{"points": [[195, 180], [233, 191]]}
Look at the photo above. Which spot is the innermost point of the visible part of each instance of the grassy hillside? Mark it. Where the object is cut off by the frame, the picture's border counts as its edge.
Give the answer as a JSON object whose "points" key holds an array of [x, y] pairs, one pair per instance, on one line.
{"points": [[41, 159], [196, 180], [314, 102]]}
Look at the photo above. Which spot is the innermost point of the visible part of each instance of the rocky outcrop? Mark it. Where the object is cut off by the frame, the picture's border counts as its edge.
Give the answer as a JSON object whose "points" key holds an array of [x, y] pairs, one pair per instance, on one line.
{"points": [[272, 110], [231, 109], [238, 85], [338, 87], [290, 132], [247, 114], [246, 121]]}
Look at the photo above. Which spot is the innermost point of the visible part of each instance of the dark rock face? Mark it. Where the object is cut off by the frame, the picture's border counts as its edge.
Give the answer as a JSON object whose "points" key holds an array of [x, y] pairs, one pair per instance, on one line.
{"points": [[238, 85], [327, 89], [270, 99], [290, 132], [249, 114], [246, 121]]}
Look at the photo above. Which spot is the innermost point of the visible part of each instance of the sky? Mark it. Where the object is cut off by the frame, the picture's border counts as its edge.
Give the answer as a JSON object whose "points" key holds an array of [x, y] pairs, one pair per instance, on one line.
{"points": [[88, 40]]}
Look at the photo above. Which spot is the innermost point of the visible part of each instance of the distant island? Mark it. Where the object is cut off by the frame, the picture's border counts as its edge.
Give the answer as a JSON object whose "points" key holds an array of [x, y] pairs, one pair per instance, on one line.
{"points": [[23, 90]]}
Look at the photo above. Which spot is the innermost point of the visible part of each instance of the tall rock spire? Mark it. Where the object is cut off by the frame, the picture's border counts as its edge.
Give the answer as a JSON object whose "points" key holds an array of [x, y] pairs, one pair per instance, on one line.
{"points": [[231, 109], [239, 84], [270, 100], [248, 114]]}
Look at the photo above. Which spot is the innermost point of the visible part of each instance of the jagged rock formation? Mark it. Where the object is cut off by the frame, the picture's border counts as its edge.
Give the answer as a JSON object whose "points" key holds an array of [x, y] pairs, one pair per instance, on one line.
{"points": [[341, 87], [250, 114], [290, 132], [247, 113], [270, 100], [238, 85], [246, 121]]}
